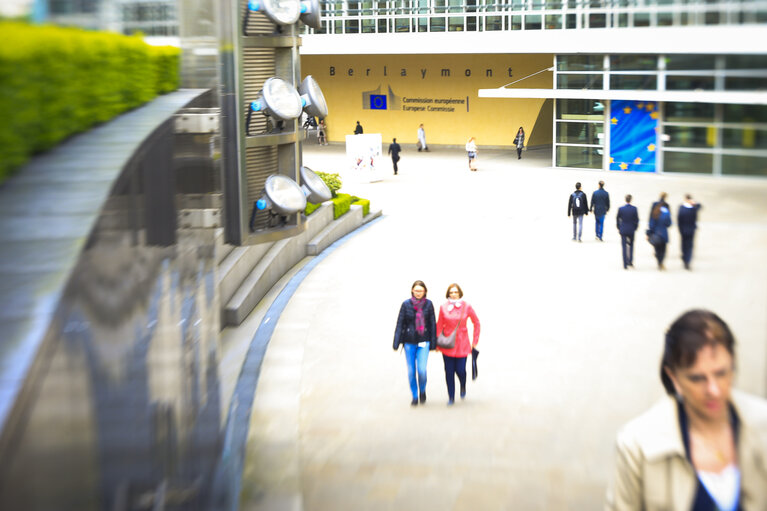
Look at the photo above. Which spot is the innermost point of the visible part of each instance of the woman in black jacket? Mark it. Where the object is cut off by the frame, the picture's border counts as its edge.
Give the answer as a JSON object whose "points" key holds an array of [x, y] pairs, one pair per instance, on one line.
{"points": [[417, 332]]}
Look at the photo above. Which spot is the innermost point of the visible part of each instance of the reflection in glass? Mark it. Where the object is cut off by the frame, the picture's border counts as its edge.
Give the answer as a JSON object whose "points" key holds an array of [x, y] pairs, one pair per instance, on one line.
{"points": [[744, 165], [597, 20], [516, 23], [746, 62], [689, 112], [745, 83], [553, 21], [579, 62], [744, 138], [690, 62], [745, 113], [633, 82], [682, 82], [633, 62], [698, 163], [580, 109], [533, 22], [690, 136], [580, 132], [579, 157], [579, 81]]}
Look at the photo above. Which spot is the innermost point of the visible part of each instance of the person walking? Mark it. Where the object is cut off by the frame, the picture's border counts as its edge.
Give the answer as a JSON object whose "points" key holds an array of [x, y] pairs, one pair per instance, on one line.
{"points": [[519, 141], [657, 233], [394, 150], [471, 151], [321, 136], [687, 221], [453, 314], [358, 129], [702, 447], [578, 205], [417, 331], [628, 222], [422, 139], [600, 205]]}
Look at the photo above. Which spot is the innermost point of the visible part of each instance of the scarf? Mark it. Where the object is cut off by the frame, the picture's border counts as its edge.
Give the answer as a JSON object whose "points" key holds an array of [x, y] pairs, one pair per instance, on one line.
{"points": [[420, 324]]}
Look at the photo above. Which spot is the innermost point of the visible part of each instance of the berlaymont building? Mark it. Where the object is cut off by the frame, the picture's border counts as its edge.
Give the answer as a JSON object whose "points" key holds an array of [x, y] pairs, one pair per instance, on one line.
{"points": [[664, 86]]}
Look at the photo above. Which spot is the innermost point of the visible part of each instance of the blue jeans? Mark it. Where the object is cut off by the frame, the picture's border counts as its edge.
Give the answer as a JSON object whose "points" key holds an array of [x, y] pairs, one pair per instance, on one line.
{"points": [[600, 225], [416, 357], [577, 222]]}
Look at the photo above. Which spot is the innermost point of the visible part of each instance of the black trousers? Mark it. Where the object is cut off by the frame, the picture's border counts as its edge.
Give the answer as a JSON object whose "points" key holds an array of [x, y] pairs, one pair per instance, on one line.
{"points": [[394, 160], [627, 246], [687, 247], [519, 153], [660, 252], [454, 366]]}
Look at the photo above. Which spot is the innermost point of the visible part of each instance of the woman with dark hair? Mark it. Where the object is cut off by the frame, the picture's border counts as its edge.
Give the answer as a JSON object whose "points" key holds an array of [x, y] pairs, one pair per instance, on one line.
{"points": [[455, 313], [704, 447], [519, 141], [417, 331], [657, 234]]}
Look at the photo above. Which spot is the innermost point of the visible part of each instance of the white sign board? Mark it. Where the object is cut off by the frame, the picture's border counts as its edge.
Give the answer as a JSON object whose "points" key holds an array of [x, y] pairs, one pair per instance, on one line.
{"points": [[363, 152]]}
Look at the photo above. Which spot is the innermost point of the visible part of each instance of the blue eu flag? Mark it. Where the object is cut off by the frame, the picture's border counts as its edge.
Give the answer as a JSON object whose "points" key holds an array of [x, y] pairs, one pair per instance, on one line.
{"points": [[378, 101]]}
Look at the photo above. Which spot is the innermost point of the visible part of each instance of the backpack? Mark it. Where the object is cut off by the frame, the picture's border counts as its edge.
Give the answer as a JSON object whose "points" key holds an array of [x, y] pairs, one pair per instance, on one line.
{"points": [[576, 201]]}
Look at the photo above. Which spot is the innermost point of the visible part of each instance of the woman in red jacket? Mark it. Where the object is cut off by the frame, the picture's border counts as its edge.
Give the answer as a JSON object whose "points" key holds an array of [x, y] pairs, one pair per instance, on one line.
{"points": [[453, 312]]}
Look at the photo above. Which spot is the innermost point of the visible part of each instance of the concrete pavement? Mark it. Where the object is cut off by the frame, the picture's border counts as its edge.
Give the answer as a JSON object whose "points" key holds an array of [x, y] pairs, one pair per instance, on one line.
{"points": [[570, 341]]}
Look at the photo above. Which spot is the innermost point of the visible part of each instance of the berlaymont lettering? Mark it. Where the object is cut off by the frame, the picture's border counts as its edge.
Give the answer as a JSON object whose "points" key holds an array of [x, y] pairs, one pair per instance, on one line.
{"points": [[444, 72]]}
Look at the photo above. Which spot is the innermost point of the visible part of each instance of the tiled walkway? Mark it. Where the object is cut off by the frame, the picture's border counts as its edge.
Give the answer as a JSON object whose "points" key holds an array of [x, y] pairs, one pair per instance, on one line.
{"points": [[570, 341]]}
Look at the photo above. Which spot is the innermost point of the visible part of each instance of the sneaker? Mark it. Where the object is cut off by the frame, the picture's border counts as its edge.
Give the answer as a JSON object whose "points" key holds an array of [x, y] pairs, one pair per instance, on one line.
{"points": [[422, 397], [450, 402], [414, 402], [463, 392]]}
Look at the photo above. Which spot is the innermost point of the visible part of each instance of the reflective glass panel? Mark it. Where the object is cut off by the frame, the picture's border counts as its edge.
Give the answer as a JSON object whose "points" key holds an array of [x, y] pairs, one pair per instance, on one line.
{"points": [[745, 83], [634, 82], [744, 165], [494, 23], [685, 112], [533, 22], [641, 19], [580, 132], [437, 25], [746, 62], [580, 157], [516, 23], [665, 19], [368, 26], [579, 81], [598, 20], [455, 24], [553, 21], [580, 109], [689, 62], [690, 136], [633, 62], [579, 62], [745, 113], [744, 138], [680, 82], [571, 21], [698, 163]]}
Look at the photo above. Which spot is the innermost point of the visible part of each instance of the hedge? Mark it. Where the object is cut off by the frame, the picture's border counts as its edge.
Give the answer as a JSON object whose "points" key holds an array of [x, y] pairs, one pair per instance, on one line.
{"points": [[55, 82], [365, 203]]}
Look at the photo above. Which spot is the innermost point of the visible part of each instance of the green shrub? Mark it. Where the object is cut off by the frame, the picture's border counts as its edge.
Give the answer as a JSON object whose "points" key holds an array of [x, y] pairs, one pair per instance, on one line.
{"points": [[341, 204], [332, 180], [365, 203], [55, 82], [311, 208]]}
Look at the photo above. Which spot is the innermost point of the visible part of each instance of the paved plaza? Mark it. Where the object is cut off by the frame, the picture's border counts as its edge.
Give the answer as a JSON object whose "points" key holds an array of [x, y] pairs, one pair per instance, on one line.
{"points": [[570, 341]]}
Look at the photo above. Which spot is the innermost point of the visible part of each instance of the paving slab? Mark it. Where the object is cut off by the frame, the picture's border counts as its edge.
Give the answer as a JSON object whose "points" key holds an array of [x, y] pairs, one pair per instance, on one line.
{"points": [[570, 341]]}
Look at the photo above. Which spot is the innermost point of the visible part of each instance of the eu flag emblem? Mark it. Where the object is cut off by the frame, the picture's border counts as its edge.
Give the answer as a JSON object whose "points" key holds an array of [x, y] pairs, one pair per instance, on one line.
{"points": [[378, 101]]}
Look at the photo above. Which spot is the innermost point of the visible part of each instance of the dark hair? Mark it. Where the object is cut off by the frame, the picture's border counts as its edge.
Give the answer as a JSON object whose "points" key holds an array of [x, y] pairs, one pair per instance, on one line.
{"points": [[601, 184], [394, 140], [578, 185], [628, 197], [691, 332], [451, 286], [419, 283]]}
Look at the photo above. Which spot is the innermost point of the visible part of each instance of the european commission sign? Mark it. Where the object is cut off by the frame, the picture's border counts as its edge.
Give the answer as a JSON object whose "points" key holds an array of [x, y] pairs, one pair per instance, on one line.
{"points": [[377, 102]]}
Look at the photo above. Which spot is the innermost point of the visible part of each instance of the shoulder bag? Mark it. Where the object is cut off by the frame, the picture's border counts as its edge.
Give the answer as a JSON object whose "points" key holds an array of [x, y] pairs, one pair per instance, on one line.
{"points": [[448, 341]]}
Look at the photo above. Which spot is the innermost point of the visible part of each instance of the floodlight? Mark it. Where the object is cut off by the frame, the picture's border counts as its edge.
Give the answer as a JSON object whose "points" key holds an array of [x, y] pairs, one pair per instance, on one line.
{"points": [[312, 96], [310, 13], [282, 197], [314, 187], [277, 99], [282, 12]]}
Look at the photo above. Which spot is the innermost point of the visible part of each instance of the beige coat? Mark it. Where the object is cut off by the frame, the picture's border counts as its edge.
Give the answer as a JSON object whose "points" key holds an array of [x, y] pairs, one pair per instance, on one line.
{"points": [[652, 472]]}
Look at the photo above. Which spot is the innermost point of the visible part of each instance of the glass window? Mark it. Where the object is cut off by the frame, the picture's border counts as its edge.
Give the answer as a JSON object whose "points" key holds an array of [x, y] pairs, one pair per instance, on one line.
{"points": [[437, 25], [493, 23], [423, 24], [690, 136], [745, 83], [744, 138], [689, 112], [641, 19], [744, 165], [677, 82], [580, 109], [689, 62], [352, 26], [516, 22], [579, 62], [402, 24], [439, 6], [633, 63], [745, 113], [712, 18], [553, 21], [566, 81], [598, 20], [623, 20], [455, 24], [368, 26], [382, 26], [699, 163], [746, 62], [570, 21], [665, 19], [580, 157], [634, 82], [580, 132], [533, 22]]}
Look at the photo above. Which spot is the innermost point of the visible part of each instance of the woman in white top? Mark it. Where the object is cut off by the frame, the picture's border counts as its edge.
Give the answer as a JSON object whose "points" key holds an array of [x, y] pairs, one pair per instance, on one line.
{"points": [[471, 150], [704, 446]]}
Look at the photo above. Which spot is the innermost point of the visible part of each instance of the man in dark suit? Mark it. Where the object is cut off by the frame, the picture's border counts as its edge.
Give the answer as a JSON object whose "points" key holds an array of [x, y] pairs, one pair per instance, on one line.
{"points": [[687, 220], [394, 150], [628, 222], [600, 205]]}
